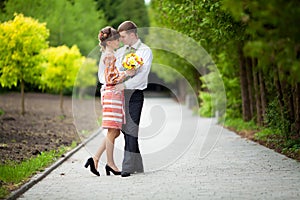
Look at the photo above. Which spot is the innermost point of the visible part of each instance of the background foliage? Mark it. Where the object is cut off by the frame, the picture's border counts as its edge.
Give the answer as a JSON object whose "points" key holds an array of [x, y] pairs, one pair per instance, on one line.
{"points": [[70, 22], [60, 68], [21, 41], [255, 45], [117, 11]]}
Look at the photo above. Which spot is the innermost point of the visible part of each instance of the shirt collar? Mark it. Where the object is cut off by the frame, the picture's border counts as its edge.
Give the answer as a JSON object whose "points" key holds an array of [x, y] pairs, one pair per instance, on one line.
{"points": [[135, 45]]}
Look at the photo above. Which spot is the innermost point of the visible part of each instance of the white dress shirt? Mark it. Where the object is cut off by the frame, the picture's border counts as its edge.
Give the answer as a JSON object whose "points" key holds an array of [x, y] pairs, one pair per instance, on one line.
{"points": [[140, 79]]}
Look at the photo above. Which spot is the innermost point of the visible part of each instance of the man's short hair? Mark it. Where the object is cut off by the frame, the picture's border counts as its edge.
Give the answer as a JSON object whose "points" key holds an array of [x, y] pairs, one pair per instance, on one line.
{"points": [[128, 26]]}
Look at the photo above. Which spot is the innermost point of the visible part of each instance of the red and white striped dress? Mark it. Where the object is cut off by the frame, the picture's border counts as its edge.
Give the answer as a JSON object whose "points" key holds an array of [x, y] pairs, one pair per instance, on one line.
{"points": [[112, 100]]}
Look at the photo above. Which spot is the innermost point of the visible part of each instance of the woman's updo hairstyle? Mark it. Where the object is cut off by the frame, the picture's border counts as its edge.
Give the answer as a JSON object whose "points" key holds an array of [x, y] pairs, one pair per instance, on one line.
{"points": [[107, 34]]}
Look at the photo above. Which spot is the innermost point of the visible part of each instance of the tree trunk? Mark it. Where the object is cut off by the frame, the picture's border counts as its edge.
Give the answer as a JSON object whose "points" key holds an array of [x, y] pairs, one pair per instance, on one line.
{"points": [[297, 98], [61, 101], [297, 109], [263, 98], [291, 106], [198, 84], [244, 86], [250, 86], [81, 92], [286, 91], [257, 97], [279, 91], [280, 86], [22, 97], [181, 85]]}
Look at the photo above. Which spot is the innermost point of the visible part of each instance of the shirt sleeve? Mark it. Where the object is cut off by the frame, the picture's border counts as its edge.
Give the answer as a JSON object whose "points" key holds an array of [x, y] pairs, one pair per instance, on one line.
{"points": [[141, 77]]}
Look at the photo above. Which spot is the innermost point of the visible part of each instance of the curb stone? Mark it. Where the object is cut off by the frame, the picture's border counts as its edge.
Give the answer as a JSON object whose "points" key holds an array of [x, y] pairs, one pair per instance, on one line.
{"points": [[34, 180]]}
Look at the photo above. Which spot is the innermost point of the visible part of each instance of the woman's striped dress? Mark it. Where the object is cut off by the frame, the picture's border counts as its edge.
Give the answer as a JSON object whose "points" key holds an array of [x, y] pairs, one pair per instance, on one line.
{"points": [[112, 100]]}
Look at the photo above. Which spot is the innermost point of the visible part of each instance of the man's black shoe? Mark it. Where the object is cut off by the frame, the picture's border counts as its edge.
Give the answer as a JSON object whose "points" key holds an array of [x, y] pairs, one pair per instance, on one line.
{"points": [[125, 174]]}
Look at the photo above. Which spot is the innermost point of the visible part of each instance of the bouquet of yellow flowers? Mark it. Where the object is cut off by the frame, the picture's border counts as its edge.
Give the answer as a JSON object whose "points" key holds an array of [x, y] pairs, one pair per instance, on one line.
{"points": [[132, 61]]}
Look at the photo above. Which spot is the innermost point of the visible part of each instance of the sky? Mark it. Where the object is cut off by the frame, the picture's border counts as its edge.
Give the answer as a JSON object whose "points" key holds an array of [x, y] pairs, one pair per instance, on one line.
{"points": [[147, 1]]}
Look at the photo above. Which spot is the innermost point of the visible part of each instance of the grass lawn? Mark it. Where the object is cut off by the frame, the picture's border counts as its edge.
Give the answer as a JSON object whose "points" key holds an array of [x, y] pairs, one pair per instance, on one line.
{"points": [[13, 175]]}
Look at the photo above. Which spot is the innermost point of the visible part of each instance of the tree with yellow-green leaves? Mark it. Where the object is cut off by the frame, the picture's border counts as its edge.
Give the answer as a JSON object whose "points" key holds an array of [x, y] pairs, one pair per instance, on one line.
{"points": [[21, 41], [60, 68], [87, 76]]}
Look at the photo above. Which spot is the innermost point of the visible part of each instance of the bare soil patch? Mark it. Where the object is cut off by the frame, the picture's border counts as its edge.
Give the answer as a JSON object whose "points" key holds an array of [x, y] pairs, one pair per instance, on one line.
{"points": [[43, 127]]}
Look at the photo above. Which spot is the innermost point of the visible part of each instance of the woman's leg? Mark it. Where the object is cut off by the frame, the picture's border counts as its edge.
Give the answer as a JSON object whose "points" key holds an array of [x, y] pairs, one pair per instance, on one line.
{"points": [[99, 152], [112, 134]]}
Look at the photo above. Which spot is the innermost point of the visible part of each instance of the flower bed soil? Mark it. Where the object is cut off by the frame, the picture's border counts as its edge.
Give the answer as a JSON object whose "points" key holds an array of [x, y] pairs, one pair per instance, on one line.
{"points": [[42, 128]]}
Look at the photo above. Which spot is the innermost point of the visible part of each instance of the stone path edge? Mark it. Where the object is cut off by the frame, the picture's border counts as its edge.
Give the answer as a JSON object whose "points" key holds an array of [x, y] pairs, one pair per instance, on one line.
{"points": [[17, 193]]}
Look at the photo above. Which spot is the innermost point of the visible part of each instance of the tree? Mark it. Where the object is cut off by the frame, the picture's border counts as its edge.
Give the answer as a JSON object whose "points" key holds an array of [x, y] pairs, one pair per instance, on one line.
{"points": [[212, 28], [70, 22], [86, 75], [111, 9], [256, 46], [21, 41], [117, 11], [60, 68], [2, 4], [273, 45]]}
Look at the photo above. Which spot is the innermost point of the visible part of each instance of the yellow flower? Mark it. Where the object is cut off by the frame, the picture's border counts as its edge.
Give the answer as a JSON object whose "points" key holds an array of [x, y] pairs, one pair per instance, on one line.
{"points": [[132, 61]]}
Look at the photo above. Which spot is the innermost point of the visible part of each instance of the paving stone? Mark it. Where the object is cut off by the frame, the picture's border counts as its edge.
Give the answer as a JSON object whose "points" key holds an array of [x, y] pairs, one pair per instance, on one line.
{"points": [[235, 168]]}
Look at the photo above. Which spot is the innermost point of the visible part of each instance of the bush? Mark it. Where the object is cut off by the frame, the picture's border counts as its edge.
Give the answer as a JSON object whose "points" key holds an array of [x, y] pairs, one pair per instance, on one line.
{"points": [[266, 133], [239, 124], [275, 121], [206, 109]]}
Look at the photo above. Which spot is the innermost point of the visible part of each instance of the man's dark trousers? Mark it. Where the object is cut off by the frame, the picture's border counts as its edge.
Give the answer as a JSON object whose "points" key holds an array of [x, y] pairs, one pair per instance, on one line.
{"points": [[132, 161]]}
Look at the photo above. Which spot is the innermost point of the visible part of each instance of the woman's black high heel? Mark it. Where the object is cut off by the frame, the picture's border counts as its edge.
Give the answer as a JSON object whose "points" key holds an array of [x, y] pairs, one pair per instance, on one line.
{"points": [[90, 162], [108, 169]]}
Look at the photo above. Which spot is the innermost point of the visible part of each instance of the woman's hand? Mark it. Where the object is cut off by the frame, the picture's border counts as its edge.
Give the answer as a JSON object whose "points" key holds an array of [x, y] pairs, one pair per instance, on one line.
{"points": [[130, 72]]}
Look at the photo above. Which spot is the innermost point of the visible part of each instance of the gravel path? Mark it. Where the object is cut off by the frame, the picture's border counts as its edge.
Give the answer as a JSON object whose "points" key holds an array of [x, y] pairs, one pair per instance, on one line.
{"points": [[185, 157]]}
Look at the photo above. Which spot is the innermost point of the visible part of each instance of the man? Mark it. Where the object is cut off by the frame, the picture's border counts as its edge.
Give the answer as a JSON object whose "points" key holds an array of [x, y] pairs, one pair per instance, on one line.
{"points": [[134, 97]]}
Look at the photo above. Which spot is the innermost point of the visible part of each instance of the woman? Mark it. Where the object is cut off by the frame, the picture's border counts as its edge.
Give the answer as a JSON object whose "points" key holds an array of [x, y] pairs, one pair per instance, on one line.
{"points": [[112, 100]]}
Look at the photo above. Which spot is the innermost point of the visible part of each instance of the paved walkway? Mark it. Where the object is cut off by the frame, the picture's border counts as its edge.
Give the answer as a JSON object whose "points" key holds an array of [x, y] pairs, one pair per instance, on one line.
{"points": [[179, 164]]}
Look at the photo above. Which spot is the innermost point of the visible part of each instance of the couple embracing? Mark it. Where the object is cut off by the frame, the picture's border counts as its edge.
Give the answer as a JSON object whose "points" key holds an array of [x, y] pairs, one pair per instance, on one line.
{"points": [[124, 75]]}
